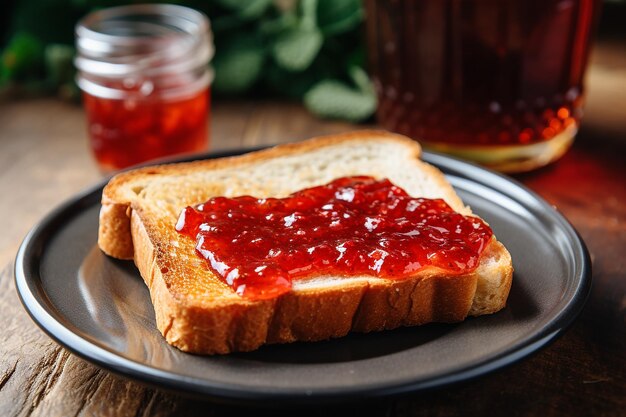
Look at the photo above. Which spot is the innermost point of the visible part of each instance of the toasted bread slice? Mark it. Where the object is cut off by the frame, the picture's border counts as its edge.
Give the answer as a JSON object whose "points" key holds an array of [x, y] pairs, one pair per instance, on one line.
{"points": [[197, 312]]}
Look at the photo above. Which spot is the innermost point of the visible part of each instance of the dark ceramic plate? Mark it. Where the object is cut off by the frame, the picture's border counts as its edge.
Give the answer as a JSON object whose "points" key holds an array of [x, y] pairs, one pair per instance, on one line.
{"points": [[100, 309]]}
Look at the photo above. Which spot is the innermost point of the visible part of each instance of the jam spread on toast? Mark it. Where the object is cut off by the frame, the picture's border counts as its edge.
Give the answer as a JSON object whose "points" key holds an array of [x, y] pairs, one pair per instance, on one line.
{"points": [[353, 226]]}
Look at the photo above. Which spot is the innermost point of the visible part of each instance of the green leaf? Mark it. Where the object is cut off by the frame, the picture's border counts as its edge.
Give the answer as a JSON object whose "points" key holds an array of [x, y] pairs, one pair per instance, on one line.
{"points": [[334, 99], [23, 55], [296, 84], [361, 80], [308, 10], [59, 63], [238, 65], [295, 50], [338, 16], [286, 21], [247, 9]]}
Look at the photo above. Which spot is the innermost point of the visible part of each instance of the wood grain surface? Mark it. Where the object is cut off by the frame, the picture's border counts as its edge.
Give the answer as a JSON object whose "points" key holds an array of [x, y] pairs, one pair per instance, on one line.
{"points": [[44, 160]]}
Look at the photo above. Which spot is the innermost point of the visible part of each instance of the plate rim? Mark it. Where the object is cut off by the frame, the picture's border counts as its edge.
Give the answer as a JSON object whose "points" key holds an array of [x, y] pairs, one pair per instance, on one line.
{"points": [[38, 307]]}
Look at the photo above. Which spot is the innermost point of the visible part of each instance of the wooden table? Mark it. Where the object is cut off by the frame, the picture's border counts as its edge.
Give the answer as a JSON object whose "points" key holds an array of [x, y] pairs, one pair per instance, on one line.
{"points": [[44, 160]]}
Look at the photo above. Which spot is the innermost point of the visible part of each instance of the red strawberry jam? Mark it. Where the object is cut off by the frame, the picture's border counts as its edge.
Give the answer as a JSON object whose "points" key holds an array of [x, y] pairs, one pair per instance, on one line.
{"points": [[353, 226]]}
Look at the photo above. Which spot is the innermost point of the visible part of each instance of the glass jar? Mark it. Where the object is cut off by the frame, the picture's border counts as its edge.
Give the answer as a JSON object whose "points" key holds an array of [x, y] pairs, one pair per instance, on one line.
{"points": [[144, 73], [499, 82]]}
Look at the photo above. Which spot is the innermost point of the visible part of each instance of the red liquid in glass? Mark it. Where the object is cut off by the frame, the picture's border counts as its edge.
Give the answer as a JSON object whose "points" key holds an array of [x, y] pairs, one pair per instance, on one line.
{"points": [[480, 72], [126, 132], [352, 226]]}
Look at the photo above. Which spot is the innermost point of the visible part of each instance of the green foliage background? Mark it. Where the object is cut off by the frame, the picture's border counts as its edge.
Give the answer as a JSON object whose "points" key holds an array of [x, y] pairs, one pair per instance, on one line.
{"points": [[310, 50]]}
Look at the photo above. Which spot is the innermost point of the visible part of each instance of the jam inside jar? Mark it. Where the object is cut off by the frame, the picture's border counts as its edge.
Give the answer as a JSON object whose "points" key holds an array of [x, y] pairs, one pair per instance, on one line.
{"points": [[127, 132], [145, 76], [353, 226]]}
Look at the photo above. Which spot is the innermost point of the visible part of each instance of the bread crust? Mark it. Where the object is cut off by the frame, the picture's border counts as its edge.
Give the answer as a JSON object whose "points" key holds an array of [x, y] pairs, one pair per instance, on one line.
{"points": [[196, 312]]}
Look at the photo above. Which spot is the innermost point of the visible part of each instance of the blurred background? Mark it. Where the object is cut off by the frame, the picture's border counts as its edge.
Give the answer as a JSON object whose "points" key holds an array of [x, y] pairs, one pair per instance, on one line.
{"points": [[310, 51], [307, 50]]}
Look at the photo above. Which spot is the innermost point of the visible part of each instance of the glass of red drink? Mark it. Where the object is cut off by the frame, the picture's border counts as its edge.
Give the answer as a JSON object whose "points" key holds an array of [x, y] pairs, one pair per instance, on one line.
{"points": [[144, 73], [496, 81]]}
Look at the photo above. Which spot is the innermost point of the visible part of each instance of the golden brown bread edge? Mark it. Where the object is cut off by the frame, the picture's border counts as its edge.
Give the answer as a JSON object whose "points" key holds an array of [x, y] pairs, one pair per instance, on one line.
{"points": [[318, 313]]}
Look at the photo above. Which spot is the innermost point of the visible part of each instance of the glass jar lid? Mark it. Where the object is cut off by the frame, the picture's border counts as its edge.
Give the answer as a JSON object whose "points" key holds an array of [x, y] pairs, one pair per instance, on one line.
{"points": [[154, 45]]}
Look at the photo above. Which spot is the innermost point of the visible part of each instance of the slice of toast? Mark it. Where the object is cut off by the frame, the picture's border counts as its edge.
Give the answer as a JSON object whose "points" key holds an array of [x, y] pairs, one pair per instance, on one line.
{"points": [[197, 312]]}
